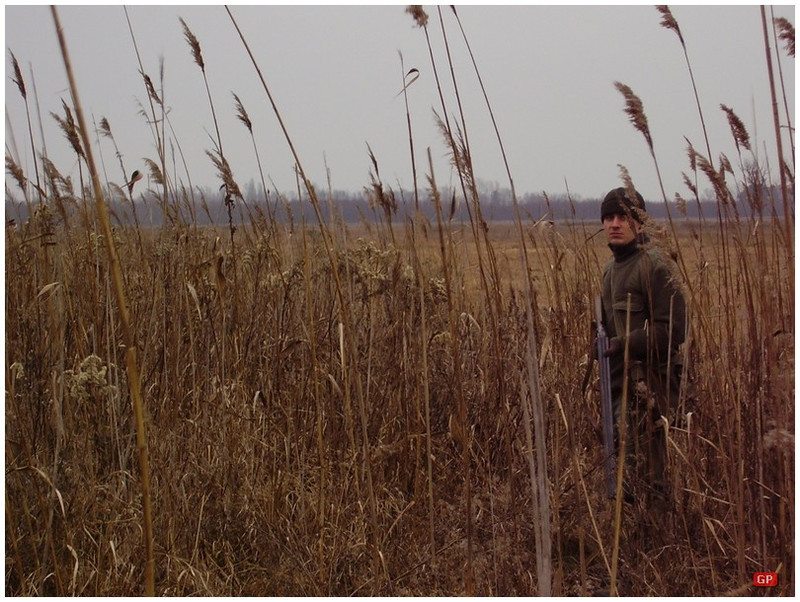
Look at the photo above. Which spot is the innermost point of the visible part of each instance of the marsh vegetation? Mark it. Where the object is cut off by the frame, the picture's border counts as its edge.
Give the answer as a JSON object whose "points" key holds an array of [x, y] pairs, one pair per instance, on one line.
{"points": [[395, 407]]}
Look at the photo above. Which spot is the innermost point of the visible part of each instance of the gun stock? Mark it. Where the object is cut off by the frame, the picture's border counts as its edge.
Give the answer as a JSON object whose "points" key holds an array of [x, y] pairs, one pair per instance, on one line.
{"points": [[606, 408]]}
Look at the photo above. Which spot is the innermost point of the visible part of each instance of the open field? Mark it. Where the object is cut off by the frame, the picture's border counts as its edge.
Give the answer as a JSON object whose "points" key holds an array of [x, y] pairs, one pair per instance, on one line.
{"points": [[303, 416]]}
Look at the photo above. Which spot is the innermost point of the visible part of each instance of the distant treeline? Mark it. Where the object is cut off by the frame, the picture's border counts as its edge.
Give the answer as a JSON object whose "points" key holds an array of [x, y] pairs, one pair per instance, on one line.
{"points": [[208, 206]]}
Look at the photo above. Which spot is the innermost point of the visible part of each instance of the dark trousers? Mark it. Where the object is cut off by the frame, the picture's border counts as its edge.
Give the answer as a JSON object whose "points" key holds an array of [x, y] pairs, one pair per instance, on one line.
{"points": [[652, 399]]}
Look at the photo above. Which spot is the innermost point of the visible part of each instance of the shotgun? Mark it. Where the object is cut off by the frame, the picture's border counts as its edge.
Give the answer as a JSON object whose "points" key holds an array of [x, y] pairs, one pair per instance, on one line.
{"points": [[606, 408]]}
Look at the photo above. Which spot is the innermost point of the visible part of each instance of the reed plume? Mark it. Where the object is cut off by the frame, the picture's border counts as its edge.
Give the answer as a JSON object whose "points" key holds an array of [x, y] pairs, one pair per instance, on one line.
{"points": [[244, 117], [70, 129], [197, 55], [418, 14], [634, 109], [151, 89], [784, 173], [13, 168], [153, 121], [668, 22], [740, 135], [17, 78], [155, 172], [786, 34], [20, 82]]}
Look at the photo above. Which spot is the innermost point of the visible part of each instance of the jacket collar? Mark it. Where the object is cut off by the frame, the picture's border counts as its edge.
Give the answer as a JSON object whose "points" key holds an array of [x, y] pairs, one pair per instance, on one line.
{"points": [[621, 253]]}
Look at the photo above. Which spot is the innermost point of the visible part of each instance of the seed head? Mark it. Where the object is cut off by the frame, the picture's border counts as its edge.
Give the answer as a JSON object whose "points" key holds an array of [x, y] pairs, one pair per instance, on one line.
{"points": [[681, 204], [151, 90], [242, 115], [193, 44], [15, 171], [635, 111], [70, 129], [689, 184], [155, 171], [668, 21], [18, 76], [725, 164], [226, 175], [738, 130], [105, 128], [692, 155], [786, 34], [717, 179], [419, 14]]}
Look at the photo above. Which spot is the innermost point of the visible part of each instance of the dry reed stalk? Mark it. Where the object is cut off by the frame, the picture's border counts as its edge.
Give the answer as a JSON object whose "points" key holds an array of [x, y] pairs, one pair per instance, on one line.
{"points": [[459, 425], [622, 429], [244, 117], [197, 55], [18, 79], [232, 192], [425, 378], [787, 214], [14, 546], [380, 573], [669, 22], [462, 160], [540, 490], [156, 118], [460, 156], [127, 327], [321, 419], [786, 35], [537, 465], [105, 130], [408, 78]]}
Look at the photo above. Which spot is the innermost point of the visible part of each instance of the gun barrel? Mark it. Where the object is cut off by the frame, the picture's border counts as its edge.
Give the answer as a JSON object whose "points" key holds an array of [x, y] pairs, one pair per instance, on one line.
{"points": [[606, 406]]}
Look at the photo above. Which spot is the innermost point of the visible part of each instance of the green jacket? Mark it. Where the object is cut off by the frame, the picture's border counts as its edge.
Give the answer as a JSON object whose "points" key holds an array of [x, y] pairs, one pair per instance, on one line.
{"points": [[657, 318]]}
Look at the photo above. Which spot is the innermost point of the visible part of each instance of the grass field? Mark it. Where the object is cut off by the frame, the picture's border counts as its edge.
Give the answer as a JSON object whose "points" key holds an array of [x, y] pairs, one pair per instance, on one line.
{"points": [[392, 408], [285, 460]]}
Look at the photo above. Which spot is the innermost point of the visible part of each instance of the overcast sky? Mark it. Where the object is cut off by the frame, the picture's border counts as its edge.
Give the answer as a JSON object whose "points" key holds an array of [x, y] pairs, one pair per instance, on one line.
{"points": [[335, 71]]}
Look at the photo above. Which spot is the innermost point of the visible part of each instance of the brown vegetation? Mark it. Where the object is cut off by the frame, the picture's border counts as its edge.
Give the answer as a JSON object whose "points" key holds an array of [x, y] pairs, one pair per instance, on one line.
{"points": [[336, 410]]}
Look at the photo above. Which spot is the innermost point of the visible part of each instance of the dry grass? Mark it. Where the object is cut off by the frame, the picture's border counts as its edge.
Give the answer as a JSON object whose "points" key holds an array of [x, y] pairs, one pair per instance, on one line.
{"points": [[339, 410], [258, 466]]}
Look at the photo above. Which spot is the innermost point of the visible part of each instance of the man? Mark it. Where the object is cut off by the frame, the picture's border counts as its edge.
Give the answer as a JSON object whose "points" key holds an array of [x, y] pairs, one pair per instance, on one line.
{"points": [[640, 279]]}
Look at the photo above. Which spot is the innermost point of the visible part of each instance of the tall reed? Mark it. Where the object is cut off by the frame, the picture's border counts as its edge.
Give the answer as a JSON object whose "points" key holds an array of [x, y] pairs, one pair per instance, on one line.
{"points": [[125, 320]]}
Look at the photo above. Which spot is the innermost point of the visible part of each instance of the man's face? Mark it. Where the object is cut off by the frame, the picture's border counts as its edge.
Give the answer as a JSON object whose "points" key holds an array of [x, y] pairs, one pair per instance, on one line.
{"points": [[620, 229]]}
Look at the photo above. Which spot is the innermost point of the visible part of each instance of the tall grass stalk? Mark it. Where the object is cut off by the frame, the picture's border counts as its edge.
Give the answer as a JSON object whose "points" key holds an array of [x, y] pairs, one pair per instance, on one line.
{"points": [[459, 425], [409, 77], [243, 116], [125, 321], [669, 22], [787, 32], [538, 466], [379, 571], [20, 81], [154, 121], [622, 454], [782, 167], [415, 231]]}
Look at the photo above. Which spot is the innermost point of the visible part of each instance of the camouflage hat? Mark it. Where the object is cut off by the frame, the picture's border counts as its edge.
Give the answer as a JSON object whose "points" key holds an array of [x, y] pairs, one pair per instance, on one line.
{"points": [[617, 202]]}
